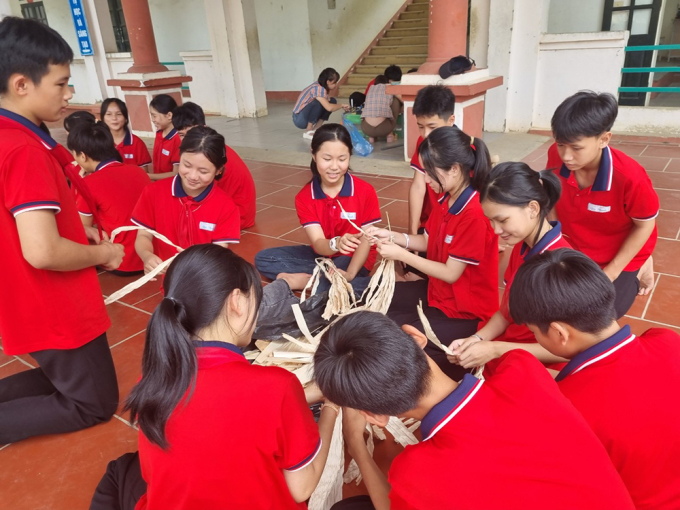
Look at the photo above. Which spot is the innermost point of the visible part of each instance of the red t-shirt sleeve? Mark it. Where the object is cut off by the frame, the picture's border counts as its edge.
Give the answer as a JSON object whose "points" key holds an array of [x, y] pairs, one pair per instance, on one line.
{"points": [[640, 200], [371, 208], [554, 160], [143, 213], [141, 152], [28, 182], [298, 434], [82, 206], [415, 159], [228, 230], [468, 244], [304, 208], [174, 153]]}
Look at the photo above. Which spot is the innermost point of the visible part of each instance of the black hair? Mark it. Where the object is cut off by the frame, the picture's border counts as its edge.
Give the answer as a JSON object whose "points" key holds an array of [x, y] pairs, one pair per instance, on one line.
{"points": [[562, 286], [77, 117], [188, 115], [163, 103], [29, 47], [434, 100], [119, 103], [380, 80], [517, 184], [206, 141], [447, 146], [393, 73], [328, 133], [197, 285], [93, 140], [328, 74], [412, 70], [366, 362], [585, 114]]}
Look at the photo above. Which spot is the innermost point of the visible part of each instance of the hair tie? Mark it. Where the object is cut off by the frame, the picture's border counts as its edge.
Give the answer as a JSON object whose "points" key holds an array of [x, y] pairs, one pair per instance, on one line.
{"points": [[171, 299], [472, 143]]}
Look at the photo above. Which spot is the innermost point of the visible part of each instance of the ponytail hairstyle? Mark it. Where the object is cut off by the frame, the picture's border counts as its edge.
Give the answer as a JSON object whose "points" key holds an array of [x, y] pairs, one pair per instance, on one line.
{"points": [[447, 146], [121, 106], [197, 285], [163, 103], [205, 140], [328, 74], [94, 140], [516, 184], [329, 133], [78, 117]]}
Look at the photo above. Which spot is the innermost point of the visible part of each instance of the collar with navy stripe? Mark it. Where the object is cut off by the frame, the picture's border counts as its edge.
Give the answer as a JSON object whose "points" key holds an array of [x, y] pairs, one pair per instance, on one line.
{"points": [[444, 411], [127, 140], [178, 190], [219, 345], [603, 179], [346, 191], [461, 202], [106, 163], [47, 140], [169, 136], [552, 236], [597, 352]]}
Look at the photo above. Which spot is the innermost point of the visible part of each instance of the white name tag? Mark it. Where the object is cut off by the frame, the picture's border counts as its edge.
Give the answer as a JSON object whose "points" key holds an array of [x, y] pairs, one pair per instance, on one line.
{"points": [[165, 152], [599, 208], [210, 227], [448, 239], [129, 156], [348, 215]]}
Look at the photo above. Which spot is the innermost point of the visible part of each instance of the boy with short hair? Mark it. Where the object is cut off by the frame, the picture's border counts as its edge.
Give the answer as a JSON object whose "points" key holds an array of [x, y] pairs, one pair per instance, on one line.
{"points": [[624, 386], [115, 187], [526, 446], [608, 204], [236, 179], [51, 304]]}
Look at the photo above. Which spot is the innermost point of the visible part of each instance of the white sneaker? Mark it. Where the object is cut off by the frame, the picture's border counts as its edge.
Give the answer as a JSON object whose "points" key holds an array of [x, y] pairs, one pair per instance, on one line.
{"points": [[308, 135]]}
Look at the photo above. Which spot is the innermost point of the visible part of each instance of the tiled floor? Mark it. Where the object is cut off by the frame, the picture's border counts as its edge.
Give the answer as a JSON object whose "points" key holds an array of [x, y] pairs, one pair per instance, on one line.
{"points": [[61, 472]]}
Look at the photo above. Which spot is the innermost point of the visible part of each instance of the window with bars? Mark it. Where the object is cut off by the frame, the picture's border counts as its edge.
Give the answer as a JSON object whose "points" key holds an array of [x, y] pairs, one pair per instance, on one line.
{"points": [[119, 27], [36, 11]]}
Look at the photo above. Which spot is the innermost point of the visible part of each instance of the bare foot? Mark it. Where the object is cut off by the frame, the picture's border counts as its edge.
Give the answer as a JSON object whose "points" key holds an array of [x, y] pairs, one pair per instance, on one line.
{"points": [[390, 138], [412, 277], [646, 277], [296, 281], [371, 140]]}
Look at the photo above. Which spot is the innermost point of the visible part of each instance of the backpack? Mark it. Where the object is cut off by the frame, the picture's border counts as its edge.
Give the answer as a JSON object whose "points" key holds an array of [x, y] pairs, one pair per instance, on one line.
{"points": [[457, 65]]}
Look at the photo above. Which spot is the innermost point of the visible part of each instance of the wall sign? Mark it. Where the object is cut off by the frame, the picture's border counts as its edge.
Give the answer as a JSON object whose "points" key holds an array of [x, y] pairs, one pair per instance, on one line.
{"points": [[80, 24]]}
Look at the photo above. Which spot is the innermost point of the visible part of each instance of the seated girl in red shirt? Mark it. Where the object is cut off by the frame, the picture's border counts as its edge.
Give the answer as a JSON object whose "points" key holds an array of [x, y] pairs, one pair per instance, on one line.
{"points": [[114, 114], [215, 431]]}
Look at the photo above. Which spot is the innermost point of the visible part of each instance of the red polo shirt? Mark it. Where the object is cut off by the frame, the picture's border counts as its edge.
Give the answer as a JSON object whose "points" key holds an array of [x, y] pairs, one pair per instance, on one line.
{"points": [[462, 233], [357, 197], [41, 309], [626, 389], [116, 188], [133, 150], [430, 200], [165, 151], [551, 240], [237, 182], [242, 427], [597, 220], [527, 448], [211, 217]]}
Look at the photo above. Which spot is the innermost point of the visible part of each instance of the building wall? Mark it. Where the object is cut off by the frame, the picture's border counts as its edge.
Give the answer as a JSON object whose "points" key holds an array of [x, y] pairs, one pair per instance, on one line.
{"points": [[571, 16], [179, 25]]}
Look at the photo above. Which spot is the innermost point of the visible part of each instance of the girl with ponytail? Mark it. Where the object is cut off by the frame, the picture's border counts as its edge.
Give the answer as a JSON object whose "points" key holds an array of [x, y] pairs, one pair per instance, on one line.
{"points": [[216, 431], [461, 247], [517, 201]]}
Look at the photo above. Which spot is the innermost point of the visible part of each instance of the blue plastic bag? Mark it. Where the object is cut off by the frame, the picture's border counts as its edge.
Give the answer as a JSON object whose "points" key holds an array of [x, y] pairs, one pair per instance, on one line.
{"points": [[361, 146]]}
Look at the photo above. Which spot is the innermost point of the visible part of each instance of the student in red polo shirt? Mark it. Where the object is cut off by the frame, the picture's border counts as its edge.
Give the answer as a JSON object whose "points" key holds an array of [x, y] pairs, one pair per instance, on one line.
{"points": [[320, 206], [51, 305], [517, 200], [608, 205], [511, 441], [132, 149], [461, 247], [166, 145], [115, 187], [215, 431], [624, 386], [235, 180], [188, 209]]}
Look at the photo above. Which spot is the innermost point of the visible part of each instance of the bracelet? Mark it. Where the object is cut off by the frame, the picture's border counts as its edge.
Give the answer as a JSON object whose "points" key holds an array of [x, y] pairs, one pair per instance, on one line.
{"points": [[408, 240], [332, 406], [476, 335]]}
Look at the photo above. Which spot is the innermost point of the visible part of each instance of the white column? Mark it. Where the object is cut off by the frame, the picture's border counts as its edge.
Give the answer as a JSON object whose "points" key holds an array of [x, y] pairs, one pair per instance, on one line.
{"points": [[236, 57], [5, 9], [103, 42]]}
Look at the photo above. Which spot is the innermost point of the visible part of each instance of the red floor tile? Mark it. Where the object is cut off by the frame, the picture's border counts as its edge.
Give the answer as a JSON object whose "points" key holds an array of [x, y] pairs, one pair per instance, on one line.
{"points": [[378, 183], [60, 472], [630, 148], [664, 305], [652, 164], [111, 283], [674, 165], [539, 164], [273, 173], [665, 180], [149, 304], [669, 200], [125, 322], [275, 221], [639, 326], [283, 198], [398, 214], [639, 305], [127, 357], [254, 164], [662, 151], [668, 224], [666, 257], [265, 188], [297, 236], [398, 190], [13, 367], [4, 358], [298, 179], [253, 243]]}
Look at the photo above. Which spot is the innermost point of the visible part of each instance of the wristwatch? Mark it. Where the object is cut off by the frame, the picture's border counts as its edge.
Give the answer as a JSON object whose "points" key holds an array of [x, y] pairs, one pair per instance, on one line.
{"points": [[333, 243]]}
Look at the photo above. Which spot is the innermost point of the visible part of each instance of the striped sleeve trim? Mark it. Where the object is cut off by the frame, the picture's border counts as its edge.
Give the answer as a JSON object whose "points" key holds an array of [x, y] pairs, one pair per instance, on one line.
{"points": [[140, 224], [648, 218], [370, 222], [307, 461], [417, 168], [35, 206], [465, 260], [227, 240], [310, 223], [84, 213]]}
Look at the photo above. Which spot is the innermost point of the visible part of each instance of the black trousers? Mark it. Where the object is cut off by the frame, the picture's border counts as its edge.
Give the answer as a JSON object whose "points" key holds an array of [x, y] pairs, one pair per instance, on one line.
{"points": [[122, 485], [403, 310], [627, 286], [354, 503], [73, 389]]}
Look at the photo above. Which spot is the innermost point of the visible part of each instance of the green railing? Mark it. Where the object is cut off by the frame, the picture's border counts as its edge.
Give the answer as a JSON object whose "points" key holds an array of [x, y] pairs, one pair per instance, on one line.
{"points": [[182, 70], [630, 70]]}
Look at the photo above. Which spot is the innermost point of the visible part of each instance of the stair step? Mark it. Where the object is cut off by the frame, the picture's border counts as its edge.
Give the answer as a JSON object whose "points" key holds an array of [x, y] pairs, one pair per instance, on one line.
{"points": [[411, 40], [418, 7], [406, 32], [402, 61], [415, 49], [417, 15], [360, 80], [410, 23]]}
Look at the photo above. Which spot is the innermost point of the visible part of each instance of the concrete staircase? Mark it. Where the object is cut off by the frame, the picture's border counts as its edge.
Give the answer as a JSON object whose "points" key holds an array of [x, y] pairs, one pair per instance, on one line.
{"points": [[404, 43]]}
